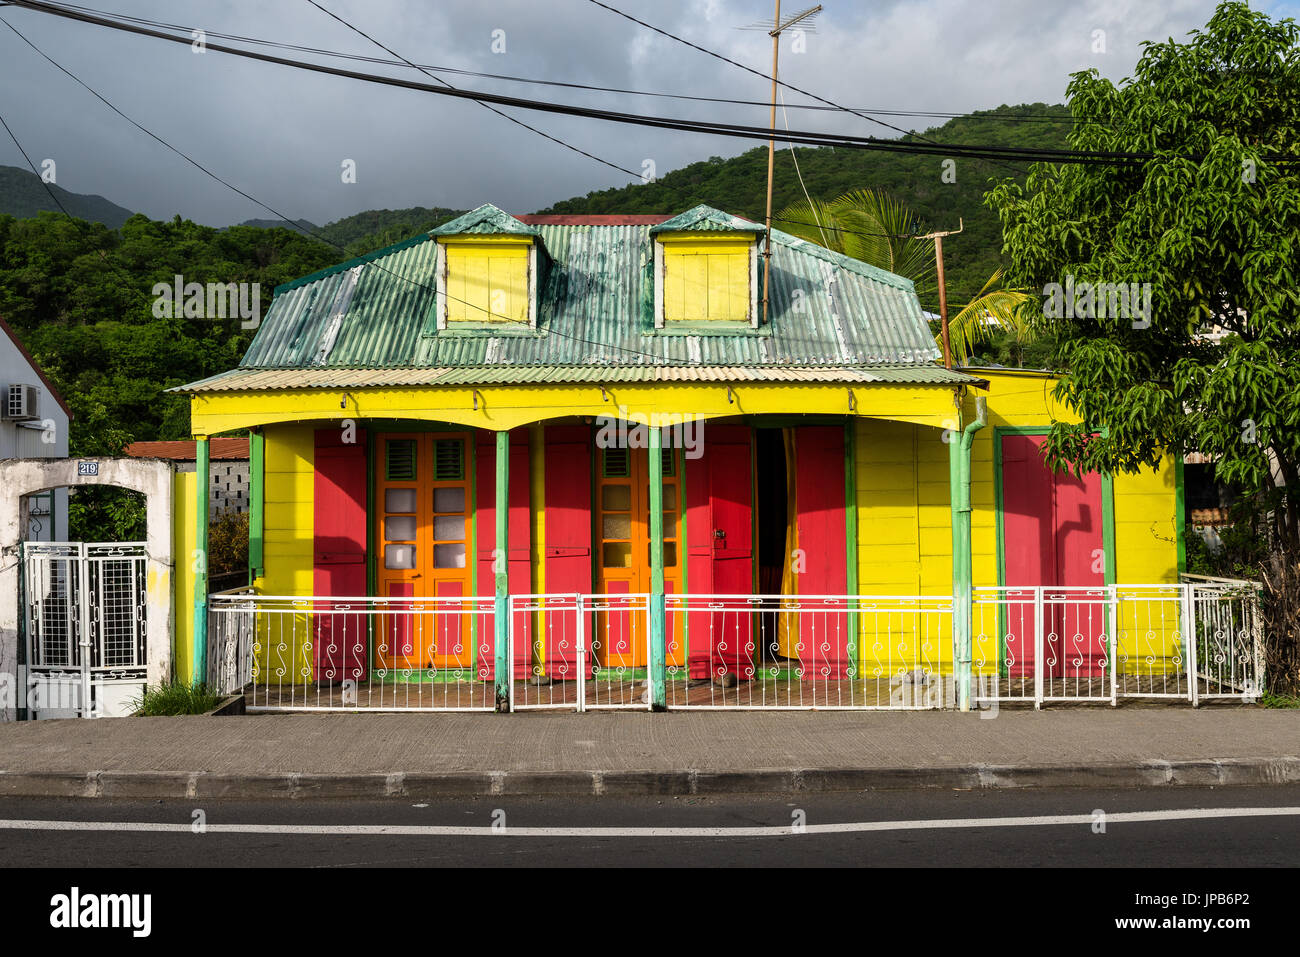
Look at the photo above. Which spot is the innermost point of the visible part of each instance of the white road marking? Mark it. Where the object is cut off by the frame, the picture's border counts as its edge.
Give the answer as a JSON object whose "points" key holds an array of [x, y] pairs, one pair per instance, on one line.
{"points": [[863, 827]]}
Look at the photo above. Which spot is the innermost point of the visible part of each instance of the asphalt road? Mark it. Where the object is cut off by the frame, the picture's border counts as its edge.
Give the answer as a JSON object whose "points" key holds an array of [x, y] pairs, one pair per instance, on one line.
{"points": [[1061, 828]]}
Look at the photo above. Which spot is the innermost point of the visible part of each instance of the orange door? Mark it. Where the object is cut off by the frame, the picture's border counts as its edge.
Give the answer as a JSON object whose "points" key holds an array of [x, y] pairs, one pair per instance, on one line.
{"points": [[623, 551], [423, 501]]}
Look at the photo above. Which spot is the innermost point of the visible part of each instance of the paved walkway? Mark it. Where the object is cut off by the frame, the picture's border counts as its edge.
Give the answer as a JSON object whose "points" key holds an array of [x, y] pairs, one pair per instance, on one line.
{"points": [[343, 755]]}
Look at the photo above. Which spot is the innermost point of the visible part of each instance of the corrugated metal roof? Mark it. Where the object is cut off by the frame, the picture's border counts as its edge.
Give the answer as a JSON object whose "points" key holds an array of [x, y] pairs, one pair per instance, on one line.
{"points": [[595, 308], [487, 219], [706, 219], [252, 380]]}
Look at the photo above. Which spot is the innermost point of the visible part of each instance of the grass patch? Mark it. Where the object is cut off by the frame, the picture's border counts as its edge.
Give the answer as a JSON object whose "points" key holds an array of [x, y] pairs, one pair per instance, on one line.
{"points": [[1270, 700], [174, 697]]}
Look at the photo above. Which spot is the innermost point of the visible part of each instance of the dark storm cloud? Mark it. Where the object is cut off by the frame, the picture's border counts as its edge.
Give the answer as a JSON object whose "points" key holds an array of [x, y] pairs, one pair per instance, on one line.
{"points": [[282, 135]]}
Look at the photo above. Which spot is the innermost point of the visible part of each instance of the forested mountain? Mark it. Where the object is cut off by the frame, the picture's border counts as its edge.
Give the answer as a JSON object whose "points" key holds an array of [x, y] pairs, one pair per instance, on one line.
{"points": [[23, 194], [79, 293], [738, 185]]}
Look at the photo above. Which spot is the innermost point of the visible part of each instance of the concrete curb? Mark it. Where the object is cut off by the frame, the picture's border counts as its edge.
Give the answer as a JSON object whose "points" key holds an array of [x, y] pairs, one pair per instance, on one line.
{"points": [[307, 786]]}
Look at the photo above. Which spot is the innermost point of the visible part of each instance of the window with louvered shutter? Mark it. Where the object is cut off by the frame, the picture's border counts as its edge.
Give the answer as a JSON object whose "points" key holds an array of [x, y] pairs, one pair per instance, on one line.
{"points": [[448, 460], [399, 460]]}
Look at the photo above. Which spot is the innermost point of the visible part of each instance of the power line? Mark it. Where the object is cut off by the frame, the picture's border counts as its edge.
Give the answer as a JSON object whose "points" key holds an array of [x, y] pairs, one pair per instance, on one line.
{"points": [[310, 233], [517, 122], [725, 129], [759, 73], [404, 63]]}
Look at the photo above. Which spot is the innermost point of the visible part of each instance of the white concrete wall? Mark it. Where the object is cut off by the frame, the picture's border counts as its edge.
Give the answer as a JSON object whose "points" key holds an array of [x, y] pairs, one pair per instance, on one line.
{"points": [[42, 438]]}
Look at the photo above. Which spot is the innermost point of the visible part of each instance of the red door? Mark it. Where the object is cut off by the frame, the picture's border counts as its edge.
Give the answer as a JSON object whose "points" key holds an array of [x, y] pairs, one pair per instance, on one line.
{"points": [[339, 633], [822, 537], [568, 540], [720, 553], [1052, 536]]}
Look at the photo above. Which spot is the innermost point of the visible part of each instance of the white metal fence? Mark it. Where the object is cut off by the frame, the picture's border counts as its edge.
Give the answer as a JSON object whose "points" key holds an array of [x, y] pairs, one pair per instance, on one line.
{"points": [[1189, 641], [592, 652], [83, 613]]}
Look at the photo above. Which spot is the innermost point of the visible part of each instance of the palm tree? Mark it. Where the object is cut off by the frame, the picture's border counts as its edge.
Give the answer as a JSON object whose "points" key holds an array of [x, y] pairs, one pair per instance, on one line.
{"points": [[874, 227]]}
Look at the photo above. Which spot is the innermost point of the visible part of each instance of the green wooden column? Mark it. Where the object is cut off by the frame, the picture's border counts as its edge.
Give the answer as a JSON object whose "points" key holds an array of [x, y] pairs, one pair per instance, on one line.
{"points": [[658, 618], [202, 484], [499, 567], [256, 505]]}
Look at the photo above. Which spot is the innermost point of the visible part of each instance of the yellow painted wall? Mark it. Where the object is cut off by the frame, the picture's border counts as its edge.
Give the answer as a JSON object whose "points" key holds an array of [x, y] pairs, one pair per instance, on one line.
{"points": [[184, 519], [289, 497]]}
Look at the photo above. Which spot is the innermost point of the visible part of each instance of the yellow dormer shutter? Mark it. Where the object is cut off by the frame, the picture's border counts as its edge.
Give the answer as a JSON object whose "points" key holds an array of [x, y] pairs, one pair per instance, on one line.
{"points": [[487, 281], [706, 280]]}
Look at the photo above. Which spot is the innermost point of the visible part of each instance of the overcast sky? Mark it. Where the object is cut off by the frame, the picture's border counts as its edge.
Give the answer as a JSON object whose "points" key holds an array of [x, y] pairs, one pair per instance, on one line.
{"points": [[282, 135]]}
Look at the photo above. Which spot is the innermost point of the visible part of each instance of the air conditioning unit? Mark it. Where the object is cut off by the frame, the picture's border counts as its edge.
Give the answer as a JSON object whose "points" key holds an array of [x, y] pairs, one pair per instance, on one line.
{"points": [[21, 402]]}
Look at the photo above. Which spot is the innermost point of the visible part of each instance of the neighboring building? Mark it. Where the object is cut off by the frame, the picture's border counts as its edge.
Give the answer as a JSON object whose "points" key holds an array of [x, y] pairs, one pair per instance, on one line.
{"points": [[227, 470], [381, 392], [34, 421]]}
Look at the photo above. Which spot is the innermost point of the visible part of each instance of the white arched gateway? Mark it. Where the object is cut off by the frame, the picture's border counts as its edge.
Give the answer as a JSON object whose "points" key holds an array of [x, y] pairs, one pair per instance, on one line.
{"points": [[153, 479]]}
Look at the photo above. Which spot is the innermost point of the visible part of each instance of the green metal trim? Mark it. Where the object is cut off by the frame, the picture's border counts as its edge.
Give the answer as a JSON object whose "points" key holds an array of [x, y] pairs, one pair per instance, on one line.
{"points": [[658, 657], [349, 264], [1108, 527], [256, 505], [1180, 514], [501, 616], [202, 481], [1003, 668]]}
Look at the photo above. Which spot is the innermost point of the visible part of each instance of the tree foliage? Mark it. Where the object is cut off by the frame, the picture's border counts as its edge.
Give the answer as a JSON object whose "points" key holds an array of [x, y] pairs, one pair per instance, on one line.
{"points": [[1212, 222]]}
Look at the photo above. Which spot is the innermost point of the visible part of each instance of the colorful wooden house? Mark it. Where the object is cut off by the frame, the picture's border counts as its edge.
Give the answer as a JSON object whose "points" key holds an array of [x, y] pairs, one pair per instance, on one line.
{"points": [[607, 406]]}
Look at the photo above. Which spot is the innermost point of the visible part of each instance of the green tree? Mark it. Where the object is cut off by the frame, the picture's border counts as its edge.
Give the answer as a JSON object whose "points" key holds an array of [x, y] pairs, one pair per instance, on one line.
{"points": [[1212, 223]]}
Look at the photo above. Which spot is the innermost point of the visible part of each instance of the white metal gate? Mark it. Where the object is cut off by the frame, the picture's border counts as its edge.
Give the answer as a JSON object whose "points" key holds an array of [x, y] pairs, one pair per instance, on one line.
{"points": [[83, 609]]}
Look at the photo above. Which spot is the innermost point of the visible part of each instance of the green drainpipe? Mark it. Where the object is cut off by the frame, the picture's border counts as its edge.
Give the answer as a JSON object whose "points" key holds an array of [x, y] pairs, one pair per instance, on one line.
{"points": [[500, 565], [202, 483], [959, 455], [658, 656]]}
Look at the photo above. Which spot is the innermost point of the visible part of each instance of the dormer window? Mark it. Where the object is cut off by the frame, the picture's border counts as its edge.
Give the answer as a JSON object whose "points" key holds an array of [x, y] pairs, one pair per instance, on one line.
{"points": [[486, 280], [489, 269], [706, 272]]}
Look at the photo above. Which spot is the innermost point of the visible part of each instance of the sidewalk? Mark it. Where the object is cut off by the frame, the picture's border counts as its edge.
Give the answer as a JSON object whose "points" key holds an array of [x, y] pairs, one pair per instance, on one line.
{"points": [[415, 755]]}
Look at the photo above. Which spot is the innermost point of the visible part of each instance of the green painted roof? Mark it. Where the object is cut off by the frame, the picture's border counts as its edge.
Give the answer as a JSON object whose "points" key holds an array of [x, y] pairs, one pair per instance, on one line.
{"points": [[258, 380], [595, 309], [706, 219], [486, 220]]}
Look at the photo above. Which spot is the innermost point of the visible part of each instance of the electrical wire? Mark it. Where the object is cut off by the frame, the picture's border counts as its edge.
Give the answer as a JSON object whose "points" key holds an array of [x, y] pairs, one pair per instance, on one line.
{"points": [[403, 62], [742, 131], [433, 76], [309, 233]]}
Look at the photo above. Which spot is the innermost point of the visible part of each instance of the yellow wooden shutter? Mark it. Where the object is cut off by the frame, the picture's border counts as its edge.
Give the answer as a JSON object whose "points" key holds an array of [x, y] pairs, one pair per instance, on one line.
{"points": [[706, 281]]}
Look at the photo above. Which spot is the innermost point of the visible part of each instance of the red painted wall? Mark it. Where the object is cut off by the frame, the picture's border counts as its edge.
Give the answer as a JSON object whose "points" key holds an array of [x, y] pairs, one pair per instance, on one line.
{"points": [[823, 540], [1052, 536], [339, 638], [720, 551], [568, 534]]}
